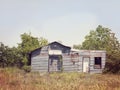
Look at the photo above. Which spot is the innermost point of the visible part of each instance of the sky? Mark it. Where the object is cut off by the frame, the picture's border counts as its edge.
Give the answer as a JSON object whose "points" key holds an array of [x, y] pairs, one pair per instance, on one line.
{"points": [[68, 21]]}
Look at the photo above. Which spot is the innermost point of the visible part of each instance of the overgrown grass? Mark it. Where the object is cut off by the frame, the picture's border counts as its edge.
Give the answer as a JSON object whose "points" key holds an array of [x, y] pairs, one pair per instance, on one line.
{"points": [[15, 79]]}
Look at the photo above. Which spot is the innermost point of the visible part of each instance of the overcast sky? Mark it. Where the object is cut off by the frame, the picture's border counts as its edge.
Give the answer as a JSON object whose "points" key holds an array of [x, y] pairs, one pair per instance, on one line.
{"points": [[56, 20]]}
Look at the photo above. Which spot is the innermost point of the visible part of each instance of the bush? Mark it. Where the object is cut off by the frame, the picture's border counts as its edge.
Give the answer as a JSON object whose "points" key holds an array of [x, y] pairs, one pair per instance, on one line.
{"points": [[26, 68]]}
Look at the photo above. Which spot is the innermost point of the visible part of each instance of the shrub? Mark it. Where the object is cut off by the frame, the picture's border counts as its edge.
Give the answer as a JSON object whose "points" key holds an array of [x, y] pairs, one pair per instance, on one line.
{"points": [[26, 68]]}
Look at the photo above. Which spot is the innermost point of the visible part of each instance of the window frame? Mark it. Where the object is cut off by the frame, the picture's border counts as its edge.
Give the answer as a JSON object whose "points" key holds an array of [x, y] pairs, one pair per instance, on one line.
{"points": [[98, 66]]}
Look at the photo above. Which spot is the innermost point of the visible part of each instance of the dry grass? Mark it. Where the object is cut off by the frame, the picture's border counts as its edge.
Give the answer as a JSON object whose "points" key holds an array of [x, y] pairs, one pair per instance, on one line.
{"points": [[14, 79]]}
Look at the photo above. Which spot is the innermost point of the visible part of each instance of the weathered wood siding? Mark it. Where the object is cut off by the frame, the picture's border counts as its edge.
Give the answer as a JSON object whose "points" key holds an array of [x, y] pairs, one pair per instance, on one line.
{"points": [[40, 57], [39, 60], [92, 54], [40, 63], [70, 64]]}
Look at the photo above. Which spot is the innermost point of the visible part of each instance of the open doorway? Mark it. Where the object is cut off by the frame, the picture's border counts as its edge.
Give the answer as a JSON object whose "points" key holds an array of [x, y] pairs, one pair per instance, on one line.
{"points": [[55, 63]]}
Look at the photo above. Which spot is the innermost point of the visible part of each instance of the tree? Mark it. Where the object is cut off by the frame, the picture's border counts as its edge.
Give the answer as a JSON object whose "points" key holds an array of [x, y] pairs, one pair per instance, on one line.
{"points": [[19, 56], [9, 56], [97, 39], [77, 46], [2, 55], [28, 44], [103, 39], [42, 41]]}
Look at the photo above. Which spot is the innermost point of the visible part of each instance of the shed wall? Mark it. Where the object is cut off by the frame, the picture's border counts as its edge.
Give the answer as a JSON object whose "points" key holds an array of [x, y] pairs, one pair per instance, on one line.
{"points": [[69, 65], [39, 61], [92, 54]]}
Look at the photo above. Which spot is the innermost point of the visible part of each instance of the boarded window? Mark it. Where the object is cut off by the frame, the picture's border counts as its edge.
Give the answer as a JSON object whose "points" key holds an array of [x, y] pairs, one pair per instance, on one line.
{"points": [[97, 63]]}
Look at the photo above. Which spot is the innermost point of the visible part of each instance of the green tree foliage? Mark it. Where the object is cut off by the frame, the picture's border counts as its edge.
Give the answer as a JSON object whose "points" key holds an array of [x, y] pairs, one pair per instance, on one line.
{"points": [[19, 56], [42, 41], [9, 56], [97, 39], [28, 44], [103, 39], [77, 47]]}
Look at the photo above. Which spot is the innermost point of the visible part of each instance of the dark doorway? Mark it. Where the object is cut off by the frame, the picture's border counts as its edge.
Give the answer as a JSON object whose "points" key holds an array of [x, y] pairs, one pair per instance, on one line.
{"points": [[55, 63]]}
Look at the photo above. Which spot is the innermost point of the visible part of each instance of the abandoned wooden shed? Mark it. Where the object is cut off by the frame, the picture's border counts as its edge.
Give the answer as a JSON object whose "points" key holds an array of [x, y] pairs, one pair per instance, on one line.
{"points": [[58, 57]]}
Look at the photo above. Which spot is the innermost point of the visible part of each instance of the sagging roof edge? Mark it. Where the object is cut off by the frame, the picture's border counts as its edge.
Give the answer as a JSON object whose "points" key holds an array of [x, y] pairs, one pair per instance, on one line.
{"points": [[70, 48], [49, 44]]}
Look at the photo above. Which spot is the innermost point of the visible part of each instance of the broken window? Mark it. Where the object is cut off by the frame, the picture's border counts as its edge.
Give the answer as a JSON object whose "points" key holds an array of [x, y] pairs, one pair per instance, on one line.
{"points": [[97, 63]]}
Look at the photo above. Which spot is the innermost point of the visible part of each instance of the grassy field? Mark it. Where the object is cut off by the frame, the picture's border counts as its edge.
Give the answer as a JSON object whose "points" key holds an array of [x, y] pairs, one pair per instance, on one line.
{"points": [[15, 79]]}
